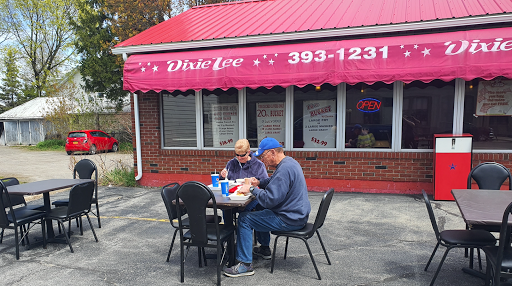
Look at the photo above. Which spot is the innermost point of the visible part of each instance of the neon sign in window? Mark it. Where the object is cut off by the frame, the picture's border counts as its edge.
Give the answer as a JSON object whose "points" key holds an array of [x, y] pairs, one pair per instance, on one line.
{"points": [[369, 105]]}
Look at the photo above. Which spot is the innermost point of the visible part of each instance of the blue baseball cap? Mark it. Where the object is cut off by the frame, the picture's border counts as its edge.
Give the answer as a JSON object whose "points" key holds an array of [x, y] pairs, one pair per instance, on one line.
{"points": [[266, 144]]}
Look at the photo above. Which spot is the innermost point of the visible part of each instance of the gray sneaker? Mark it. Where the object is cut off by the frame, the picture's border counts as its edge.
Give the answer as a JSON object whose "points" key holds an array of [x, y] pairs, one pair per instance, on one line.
{"points": [[263, 252], [241, 269]]}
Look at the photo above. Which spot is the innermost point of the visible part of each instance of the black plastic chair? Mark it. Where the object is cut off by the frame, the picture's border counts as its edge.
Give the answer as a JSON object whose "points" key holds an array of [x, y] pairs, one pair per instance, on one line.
{"points": [[16, 219], [307, 232], [195, 197], [450, 239], [80, 197], [489, 176], [168, 195], [19, 204], [85, 168], [499, 258]]}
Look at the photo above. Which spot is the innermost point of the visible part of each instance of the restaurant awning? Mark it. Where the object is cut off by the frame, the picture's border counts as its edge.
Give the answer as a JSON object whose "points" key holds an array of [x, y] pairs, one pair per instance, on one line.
{"points": [[485, 53]]}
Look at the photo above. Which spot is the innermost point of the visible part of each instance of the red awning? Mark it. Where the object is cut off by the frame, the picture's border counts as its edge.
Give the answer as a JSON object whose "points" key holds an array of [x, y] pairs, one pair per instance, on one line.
{"points": [[468, 54]]}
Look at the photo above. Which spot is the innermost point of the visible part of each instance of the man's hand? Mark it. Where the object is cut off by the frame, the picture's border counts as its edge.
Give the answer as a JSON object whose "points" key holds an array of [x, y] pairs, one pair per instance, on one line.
{"points": [[244, 189], [254, 182]]}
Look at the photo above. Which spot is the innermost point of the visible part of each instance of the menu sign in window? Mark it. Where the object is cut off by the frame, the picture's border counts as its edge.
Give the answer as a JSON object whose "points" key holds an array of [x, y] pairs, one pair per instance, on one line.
{"points": [[270, 120], [225, 124], [319, 123], [494, 98]]}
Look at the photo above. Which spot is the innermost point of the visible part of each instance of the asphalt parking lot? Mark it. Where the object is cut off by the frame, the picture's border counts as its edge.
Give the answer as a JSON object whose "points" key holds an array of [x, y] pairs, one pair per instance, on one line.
{"points": [[371, 239], [29, 166]]}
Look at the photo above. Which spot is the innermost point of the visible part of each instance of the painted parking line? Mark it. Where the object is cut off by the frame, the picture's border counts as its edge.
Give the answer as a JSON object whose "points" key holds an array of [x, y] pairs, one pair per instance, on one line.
{"points": [[136, 218]]}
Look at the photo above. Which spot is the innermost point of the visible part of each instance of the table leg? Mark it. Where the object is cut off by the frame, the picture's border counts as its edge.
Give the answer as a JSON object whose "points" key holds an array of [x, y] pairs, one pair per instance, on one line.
{"points": [[50, 234], [228, 214]]}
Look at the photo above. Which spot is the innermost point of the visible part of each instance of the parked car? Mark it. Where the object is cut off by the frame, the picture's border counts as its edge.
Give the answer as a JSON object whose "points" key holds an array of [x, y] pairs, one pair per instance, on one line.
{"points": [[90, 141]]}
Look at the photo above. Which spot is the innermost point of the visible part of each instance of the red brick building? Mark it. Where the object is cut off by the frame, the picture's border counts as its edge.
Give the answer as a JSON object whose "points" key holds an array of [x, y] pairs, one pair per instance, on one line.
{"points": [[309, 73]]}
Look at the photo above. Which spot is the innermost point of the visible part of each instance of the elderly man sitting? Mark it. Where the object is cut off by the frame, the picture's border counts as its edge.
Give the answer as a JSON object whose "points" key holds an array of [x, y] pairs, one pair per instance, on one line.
{"points": [[285, 198]]}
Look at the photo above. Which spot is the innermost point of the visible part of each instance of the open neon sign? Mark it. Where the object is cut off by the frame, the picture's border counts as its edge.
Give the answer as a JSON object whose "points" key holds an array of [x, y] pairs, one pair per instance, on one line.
{"points": [[369, 105]]}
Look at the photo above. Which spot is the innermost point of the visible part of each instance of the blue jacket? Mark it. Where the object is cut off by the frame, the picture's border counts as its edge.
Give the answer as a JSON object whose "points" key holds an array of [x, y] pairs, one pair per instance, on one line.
{"points": [[253, 168], [286, 193]]}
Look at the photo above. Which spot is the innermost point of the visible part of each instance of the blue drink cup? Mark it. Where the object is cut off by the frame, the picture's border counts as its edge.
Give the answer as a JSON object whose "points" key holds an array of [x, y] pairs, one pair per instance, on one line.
{"points": [[215, 180], [224, 186]]}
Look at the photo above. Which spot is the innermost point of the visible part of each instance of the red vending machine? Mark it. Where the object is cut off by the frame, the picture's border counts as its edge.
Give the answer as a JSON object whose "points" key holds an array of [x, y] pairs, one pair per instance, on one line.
{"points": [[452, 163]]}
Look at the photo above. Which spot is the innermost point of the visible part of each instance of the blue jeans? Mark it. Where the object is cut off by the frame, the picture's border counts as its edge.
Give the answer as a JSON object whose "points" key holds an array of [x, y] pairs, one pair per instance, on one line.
{"points": [[262, 222]]}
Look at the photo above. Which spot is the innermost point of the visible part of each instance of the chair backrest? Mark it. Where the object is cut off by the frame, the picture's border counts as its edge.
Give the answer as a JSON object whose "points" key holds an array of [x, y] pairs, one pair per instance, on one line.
{"points": [[168, 195], [504, 244], [80, 198], [431, 214], [5, 202], [322, 210], [195, 196], [14, 199], [85, 168], [490, 175]]}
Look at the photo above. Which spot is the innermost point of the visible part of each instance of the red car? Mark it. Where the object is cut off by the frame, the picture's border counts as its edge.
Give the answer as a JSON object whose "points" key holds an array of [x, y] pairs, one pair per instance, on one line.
{"points": [[90, 141]]}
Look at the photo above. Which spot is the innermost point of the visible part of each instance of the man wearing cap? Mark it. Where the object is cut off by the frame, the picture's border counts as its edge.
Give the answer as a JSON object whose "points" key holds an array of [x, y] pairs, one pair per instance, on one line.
{"points": [[284, 196], [352, 138]]}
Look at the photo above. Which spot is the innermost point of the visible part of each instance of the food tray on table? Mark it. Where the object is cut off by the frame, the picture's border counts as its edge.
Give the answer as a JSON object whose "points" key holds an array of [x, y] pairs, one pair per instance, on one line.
{"points": [[236, 197]]}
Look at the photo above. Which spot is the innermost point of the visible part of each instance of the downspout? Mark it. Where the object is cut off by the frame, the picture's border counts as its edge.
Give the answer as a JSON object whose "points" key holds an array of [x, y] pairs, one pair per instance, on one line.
{"points": [[137, 136], [137, 130]]}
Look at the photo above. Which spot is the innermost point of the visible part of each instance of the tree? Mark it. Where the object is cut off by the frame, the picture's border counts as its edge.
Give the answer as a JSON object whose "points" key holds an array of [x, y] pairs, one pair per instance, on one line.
{"points": [[41, 32], [11, 86], [101, 24], [101, 70]]}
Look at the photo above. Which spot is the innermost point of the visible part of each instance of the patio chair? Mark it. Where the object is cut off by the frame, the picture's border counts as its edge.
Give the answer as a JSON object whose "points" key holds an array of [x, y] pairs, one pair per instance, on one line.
{"points": [[499, 258], [85, 168], [80, 197], [19, 204], [450, 239], [16, 219], [489, 176], [168, 195], [195, 197], [307, 232]]}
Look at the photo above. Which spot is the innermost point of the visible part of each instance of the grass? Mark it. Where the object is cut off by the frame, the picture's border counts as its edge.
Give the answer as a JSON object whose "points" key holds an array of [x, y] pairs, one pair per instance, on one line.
{"points": [[126, 147], [119, 177], [47, 145]]}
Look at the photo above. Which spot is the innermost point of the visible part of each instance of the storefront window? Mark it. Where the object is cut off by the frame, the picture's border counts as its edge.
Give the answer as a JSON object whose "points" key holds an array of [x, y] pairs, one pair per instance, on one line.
{"points": [[487, 113], [369, 117], [314, 117], [265, 114], [220, 117], [427, 110], [179, 119]]}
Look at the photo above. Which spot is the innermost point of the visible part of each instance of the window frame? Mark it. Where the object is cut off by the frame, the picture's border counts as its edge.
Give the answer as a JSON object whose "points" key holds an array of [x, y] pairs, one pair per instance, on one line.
{"points": [[340, 121]]}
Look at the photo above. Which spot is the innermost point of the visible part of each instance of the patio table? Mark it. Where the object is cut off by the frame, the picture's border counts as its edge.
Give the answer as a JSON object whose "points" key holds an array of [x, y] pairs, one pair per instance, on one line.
{"points": [[45, 187], [482, 209]]}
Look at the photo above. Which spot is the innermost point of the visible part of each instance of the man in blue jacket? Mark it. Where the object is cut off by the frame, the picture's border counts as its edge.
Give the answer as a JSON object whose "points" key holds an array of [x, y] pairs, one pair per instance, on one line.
{"points": [[284, 196]]}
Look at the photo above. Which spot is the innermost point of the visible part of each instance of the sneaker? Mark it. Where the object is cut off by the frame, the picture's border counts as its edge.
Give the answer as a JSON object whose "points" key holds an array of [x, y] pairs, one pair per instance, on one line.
{"points": [[263, 252], [241, 269]]}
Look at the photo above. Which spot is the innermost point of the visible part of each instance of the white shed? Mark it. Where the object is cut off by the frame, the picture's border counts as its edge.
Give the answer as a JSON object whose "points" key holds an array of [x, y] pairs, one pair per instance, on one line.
{"points": [[25, 124]]}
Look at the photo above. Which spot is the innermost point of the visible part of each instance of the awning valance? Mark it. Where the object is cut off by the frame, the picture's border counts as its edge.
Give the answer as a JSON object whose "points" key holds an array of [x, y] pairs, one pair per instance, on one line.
{"points": [[470, 54]]}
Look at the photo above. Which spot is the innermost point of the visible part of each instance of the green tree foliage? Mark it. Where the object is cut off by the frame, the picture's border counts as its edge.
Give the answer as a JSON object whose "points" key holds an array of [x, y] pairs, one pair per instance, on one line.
{"points": [[101, 24], [10, 90], [100, 69], [41, 33]]}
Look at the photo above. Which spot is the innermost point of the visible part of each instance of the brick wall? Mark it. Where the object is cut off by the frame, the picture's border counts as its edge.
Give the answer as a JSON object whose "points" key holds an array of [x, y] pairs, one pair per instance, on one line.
{"points": [[398, 172]]}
